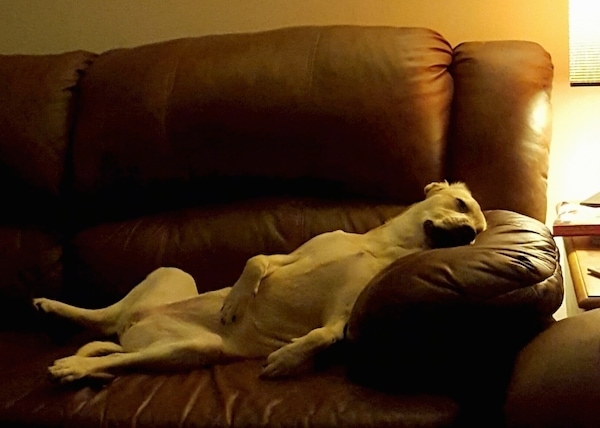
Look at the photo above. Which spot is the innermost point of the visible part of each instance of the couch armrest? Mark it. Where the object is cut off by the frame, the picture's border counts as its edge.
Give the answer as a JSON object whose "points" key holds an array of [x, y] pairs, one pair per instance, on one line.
{"points": [[556, 378]]}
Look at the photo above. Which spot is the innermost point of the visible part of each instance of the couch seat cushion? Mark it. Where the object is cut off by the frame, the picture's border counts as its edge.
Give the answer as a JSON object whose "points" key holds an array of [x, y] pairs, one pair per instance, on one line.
{"points": [[224, 395]]}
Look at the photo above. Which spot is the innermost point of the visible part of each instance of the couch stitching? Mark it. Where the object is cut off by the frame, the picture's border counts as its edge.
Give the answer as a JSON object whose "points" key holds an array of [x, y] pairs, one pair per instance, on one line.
{"points": [[169, 87], [144, 404], [311, 63]]}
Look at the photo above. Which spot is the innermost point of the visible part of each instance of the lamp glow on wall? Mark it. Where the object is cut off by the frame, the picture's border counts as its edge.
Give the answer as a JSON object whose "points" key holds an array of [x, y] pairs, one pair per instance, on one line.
{"points": [[584, 42]]}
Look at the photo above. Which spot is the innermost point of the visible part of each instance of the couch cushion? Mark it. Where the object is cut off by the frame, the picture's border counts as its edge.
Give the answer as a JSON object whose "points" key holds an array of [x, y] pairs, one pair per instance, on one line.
{"points": [[330, 111], [37, 100], [224, 395]]}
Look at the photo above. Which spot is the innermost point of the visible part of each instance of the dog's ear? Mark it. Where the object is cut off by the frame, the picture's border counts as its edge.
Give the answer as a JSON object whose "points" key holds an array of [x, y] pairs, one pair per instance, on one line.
{"points": [[460, 185], [435, 187]]}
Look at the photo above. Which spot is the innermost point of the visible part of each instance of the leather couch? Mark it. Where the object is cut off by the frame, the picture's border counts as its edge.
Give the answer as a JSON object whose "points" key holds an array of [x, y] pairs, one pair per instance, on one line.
{"points": [[201, 152]]}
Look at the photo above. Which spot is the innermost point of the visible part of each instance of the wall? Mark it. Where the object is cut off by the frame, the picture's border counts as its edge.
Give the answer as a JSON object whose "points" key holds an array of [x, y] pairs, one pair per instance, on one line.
{"points": [[42, 26]]}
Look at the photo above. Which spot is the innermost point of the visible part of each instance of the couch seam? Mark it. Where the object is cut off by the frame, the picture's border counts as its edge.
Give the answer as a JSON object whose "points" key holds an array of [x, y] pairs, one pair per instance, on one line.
{"points": [[169, 89], [311, 63]]}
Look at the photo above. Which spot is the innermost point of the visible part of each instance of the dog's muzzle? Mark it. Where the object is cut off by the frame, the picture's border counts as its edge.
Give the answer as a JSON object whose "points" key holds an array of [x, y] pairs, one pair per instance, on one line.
{"points": [[439, 237]]}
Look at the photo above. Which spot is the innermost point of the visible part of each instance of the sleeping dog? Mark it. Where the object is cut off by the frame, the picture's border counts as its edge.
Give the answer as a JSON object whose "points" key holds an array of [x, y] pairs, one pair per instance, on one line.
{"points": [[286, 307]]}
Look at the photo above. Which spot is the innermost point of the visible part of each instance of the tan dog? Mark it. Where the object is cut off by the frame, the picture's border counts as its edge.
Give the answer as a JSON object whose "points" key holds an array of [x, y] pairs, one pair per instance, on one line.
{"points": [[286, 307]]}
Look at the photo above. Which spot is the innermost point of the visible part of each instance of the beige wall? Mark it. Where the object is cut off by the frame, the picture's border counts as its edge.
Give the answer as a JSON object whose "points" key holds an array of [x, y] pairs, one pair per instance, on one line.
{"points": [[57, 25], [41, 26]]}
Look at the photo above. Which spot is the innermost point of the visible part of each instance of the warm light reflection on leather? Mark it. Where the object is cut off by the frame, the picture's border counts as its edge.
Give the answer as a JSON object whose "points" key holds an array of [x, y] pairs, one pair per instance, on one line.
{"points": [[540, 113]]}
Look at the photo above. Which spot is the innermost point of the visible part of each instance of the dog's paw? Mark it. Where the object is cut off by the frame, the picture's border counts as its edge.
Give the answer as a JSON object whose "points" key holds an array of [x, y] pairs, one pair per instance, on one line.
{"points": [[233, 307], [76, 367], [286, 361], [69, 369], [44, 305]]}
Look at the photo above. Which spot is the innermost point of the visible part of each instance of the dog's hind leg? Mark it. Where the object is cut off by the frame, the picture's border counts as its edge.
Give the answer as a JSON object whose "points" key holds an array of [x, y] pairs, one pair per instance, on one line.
{"points": [[98, 349], [160, 287], [99, 320], [246, 287], [291, 357], [172, 356]]}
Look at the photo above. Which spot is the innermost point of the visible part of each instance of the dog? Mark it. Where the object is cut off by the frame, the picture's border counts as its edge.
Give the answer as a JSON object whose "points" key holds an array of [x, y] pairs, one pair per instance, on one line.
{"points": [[285, 307]]}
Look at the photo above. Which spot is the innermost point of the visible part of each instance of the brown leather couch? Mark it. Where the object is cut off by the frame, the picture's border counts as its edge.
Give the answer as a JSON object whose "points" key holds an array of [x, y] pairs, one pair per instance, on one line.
{"points": [[201, 152]]}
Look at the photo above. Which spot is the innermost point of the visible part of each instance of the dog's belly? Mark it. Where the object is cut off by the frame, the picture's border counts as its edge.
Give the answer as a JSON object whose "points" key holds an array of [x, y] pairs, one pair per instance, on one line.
{"points": [[297, 298]]}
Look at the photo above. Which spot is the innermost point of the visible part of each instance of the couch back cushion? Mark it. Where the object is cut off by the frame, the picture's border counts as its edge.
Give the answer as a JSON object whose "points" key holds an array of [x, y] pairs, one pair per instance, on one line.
{"points": [[36, 116], [317, 111]]}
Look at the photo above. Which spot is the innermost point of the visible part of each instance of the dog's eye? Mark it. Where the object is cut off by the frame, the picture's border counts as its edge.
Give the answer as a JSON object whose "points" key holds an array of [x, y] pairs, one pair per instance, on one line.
{"points": [[462, 205]]}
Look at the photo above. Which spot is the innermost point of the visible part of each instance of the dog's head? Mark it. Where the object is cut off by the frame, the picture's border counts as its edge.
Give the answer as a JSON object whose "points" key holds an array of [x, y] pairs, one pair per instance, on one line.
{"points": [[451, 216]]}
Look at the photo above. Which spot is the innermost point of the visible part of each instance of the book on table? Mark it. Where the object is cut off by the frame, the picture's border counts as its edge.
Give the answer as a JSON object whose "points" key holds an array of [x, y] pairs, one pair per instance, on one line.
{"points": [[592, 201], [575, 219]]}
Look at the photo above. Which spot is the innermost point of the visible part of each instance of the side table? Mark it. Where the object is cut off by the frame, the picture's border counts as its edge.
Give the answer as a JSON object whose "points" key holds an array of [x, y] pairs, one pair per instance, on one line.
{"points": [[583, 252]]}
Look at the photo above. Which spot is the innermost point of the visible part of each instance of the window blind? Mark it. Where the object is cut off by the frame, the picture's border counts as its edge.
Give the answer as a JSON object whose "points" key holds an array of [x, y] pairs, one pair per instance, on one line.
{"points": [[584, 42]]}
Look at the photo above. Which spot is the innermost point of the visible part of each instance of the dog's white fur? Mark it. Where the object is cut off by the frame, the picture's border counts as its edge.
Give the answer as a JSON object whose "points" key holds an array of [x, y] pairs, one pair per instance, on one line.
{"points": [[285, 307]]}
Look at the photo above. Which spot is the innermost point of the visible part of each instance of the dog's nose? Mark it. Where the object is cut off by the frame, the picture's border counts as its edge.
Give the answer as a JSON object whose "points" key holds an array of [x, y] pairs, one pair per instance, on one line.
{"points": [[440, 237], [463, 234]]}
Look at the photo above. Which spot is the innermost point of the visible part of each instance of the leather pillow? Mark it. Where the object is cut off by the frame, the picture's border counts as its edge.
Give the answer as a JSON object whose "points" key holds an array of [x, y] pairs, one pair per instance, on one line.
{"points": [[451, 320]]}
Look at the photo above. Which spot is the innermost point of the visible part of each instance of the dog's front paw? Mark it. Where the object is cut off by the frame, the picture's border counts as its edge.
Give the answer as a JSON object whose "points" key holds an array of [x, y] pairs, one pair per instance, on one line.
{"points": [[286, 361], [233, 307]]}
